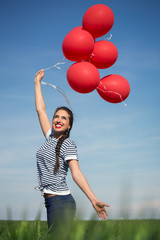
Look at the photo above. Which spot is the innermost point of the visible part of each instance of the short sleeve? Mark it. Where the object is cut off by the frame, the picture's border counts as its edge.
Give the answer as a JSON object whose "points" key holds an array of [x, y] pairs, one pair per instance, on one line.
{"points": [[70, 150], [49, 133]]}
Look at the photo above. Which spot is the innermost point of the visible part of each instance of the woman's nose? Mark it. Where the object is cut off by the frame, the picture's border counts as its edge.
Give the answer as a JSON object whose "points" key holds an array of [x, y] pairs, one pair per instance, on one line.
{"points": [[58, 119]]}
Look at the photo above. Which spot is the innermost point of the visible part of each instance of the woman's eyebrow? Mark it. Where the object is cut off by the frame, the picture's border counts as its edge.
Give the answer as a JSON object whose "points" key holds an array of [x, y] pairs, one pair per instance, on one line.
{"points": [[64, 116], [61, 116]]}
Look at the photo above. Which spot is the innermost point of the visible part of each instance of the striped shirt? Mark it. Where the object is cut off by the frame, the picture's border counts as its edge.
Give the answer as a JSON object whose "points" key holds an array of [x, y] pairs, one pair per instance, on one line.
{"points": [[50, 182]]}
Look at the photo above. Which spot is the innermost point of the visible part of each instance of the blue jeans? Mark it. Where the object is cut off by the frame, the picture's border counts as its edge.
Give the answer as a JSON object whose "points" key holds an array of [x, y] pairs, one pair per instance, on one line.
{"points": [[60, 210]]}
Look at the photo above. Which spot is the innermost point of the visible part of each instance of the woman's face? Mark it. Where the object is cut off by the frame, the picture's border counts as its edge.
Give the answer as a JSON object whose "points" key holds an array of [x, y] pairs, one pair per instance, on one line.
{"points": [[60, 122]]}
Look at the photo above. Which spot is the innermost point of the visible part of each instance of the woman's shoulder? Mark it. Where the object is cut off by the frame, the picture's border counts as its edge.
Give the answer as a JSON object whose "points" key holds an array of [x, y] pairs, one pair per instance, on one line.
{"points": [[49, 133], [69, 141]]}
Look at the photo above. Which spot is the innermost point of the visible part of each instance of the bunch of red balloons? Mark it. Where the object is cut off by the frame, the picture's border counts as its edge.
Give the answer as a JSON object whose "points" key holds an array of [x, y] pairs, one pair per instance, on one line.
{"points": [[89, 55]]}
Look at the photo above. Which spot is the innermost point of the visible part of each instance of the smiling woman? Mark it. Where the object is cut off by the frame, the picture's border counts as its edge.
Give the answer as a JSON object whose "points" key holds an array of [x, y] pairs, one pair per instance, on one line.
{"points": [[62, 121], [54, 158]]}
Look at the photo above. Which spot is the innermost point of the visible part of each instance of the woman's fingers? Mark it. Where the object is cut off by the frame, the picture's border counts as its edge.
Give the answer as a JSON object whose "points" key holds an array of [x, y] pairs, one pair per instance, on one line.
{"points": [[102, 215], [40, 72], [101, 210], [39, 75]]}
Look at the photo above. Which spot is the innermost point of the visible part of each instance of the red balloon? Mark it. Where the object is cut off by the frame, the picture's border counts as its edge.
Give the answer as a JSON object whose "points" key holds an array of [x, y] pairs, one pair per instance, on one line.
{"points": [[98, 20], [83, 77], [78, 44], [113, 88], [104, 54]]}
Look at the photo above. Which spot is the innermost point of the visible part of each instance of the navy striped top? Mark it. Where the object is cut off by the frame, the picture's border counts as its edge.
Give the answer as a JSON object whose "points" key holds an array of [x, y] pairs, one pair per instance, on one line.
{"points": [[46, 159]]}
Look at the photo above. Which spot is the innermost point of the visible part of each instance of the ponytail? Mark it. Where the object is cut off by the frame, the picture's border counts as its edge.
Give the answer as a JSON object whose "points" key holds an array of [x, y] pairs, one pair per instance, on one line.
{"points": [[65, 135], [58, 146]]}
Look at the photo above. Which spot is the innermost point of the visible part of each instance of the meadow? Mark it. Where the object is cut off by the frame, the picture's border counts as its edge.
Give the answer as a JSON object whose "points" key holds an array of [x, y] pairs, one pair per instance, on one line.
{"points": [[82, 230]]}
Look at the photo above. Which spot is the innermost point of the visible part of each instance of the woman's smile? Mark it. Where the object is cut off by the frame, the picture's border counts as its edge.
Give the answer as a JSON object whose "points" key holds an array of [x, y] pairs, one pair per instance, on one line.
{"points": [[58, 125]]}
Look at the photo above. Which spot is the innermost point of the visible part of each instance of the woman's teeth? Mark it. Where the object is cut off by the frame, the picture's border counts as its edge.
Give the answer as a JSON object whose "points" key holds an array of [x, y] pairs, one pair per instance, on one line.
{"points": [[58, 125]]}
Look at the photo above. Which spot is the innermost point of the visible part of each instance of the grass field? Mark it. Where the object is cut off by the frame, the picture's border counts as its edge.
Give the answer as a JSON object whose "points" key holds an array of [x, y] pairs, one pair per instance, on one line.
{"points": [[82, 230]]}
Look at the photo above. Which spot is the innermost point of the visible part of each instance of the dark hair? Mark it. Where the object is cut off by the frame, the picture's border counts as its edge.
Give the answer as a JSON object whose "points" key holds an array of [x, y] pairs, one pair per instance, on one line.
{"points": [[65, 135]]}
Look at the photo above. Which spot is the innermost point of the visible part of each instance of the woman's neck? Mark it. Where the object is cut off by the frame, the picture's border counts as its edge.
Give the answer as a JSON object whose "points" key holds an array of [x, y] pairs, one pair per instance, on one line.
{"points": [[57, 135]]}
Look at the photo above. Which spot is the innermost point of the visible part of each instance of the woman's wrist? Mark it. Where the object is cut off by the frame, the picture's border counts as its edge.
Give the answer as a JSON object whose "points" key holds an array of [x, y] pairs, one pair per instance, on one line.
{"points": [[36, 81], [93, 199]]}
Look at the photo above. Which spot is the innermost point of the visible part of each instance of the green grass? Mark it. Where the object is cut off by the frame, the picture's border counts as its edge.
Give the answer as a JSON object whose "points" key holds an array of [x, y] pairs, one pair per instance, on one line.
{"points": [[82, 230]]}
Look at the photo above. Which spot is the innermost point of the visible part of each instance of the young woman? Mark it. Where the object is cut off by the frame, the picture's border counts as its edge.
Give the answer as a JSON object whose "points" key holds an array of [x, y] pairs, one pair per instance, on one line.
{"points": [[54, 157]]}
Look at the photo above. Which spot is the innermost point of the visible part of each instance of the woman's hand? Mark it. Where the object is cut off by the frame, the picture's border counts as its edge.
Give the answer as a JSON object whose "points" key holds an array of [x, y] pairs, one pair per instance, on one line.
{"points": [[39, 75], [100, 209]]}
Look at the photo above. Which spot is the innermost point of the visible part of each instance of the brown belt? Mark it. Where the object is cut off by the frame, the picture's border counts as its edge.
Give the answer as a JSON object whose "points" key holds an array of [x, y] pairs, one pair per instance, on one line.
{"points": [[46, 195]]}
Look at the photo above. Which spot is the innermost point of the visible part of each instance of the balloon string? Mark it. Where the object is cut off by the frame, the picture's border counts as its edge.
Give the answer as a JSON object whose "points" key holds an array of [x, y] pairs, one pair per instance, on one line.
{"points": [[109, 38], [112, 92], [60, 91], [56, 65]]}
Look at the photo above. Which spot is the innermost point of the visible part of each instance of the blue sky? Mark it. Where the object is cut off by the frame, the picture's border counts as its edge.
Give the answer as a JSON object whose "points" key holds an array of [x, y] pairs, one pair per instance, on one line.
{"points": [[118, 146]]}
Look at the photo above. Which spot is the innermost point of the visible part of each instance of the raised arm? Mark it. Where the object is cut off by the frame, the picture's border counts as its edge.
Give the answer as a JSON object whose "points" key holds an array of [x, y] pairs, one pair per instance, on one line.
{"points": [[40, 105], [81, 181]]}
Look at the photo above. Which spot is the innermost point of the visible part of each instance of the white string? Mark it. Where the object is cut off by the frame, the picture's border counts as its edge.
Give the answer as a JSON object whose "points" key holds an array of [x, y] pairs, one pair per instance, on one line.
{"points": [[109, 38], [112, 92], [60, 91], [55, 87], [56, 65]]}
